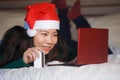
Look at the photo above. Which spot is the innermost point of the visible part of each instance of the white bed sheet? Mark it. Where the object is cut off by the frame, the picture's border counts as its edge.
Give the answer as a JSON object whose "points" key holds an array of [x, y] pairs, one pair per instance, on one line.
{"points": [[104, 71]]}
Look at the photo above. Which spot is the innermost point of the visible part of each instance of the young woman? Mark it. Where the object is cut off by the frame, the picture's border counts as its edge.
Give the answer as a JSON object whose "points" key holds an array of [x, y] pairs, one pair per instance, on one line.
{"points": [[42, 25]]}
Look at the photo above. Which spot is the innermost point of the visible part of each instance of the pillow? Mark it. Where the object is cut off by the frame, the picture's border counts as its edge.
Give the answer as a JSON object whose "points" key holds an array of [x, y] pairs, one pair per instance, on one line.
{"points": [[111, 22]]}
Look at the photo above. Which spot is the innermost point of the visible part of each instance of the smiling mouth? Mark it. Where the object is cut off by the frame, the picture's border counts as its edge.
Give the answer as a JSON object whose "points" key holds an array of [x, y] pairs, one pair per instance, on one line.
{"points": [[46, 48]]}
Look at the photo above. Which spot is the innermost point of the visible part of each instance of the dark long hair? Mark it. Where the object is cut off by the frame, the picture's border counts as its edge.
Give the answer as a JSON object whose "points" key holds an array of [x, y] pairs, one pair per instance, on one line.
{"points": [[16, 41]]}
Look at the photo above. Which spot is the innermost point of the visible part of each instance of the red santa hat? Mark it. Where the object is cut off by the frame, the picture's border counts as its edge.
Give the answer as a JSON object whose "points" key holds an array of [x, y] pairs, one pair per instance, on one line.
{"points": [[41, 16]]}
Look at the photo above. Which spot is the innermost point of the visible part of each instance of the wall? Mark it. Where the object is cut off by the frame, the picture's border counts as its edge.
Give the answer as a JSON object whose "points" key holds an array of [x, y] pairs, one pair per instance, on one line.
{"points": [[12, 12], [88, 7]]}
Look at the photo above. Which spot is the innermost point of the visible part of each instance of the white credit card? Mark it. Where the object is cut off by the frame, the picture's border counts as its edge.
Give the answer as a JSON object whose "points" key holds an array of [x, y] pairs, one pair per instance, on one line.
{"points": [[40, 62]]}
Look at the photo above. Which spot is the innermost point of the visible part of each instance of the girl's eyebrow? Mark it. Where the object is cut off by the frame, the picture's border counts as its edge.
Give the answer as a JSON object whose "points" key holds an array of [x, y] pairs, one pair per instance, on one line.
{"points": [[47, 31]]}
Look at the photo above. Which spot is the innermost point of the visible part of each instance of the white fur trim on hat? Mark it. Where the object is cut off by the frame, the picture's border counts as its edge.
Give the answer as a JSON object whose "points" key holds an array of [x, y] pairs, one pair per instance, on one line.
{"points": [[31, 32], [43, 24], [47, 24]]}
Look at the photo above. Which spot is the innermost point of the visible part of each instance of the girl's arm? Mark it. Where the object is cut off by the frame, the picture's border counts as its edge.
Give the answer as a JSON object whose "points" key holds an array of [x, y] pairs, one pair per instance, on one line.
{"points": [[16, 64]]}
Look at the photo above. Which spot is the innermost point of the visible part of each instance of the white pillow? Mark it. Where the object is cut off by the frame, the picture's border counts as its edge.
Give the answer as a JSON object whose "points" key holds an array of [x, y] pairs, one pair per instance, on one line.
{"points": [[112, 22]]}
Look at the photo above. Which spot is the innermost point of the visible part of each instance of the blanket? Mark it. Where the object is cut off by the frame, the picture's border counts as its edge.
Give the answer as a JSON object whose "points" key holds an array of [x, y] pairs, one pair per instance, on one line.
{"points": [[103, 71]]}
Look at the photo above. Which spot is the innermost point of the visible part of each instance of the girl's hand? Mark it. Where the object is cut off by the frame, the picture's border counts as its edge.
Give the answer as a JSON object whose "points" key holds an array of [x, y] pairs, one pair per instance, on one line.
{"points": [[31, 54]]}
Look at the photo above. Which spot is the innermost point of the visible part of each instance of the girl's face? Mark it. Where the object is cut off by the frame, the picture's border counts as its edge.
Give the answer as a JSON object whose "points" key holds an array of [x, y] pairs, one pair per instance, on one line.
{"points": [[46, 39]]}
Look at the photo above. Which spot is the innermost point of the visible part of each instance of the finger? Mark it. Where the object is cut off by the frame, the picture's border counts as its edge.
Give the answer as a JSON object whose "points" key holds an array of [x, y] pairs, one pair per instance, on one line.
{"points": [[37, 53], [30, 57], [33, 54]]}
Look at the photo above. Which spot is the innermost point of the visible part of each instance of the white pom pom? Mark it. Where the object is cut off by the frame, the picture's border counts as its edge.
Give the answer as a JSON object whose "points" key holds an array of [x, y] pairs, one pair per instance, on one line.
{"points": [[31, 33]]}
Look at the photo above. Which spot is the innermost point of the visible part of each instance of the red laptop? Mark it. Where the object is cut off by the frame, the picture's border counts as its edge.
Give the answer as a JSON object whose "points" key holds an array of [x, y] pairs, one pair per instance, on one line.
{"points": [[92, 45]]}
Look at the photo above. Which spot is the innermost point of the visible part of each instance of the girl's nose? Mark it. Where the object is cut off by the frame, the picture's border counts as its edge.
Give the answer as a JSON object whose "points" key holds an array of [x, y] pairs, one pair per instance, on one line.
{"points": [[49, 39]]}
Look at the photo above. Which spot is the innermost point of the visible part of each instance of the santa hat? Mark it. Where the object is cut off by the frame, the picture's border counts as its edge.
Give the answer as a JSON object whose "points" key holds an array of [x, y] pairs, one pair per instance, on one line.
{"points": [[41, 16]]}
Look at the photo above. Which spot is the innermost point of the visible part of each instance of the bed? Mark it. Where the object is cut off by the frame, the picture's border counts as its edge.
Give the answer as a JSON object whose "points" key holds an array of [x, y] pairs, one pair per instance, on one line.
{"points": [[101, 71], [104, 71]]}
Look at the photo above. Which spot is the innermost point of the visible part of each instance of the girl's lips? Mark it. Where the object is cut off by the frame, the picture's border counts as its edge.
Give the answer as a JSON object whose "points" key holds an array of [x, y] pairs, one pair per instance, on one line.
{"points": [[46, 48]]}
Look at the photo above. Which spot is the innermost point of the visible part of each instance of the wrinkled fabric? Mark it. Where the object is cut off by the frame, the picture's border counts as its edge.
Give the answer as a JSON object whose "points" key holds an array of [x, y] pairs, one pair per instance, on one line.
{"points": [[104, 71]]}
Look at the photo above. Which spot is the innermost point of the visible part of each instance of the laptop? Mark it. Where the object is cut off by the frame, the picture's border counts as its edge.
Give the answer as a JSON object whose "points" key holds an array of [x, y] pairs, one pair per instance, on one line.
{"points": [[92, 45]]}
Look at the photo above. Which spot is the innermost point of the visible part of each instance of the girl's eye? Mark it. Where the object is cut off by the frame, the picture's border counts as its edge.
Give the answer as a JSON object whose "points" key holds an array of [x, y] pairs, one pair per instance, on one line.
{"points": [[44, 34], [55, 35]]}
